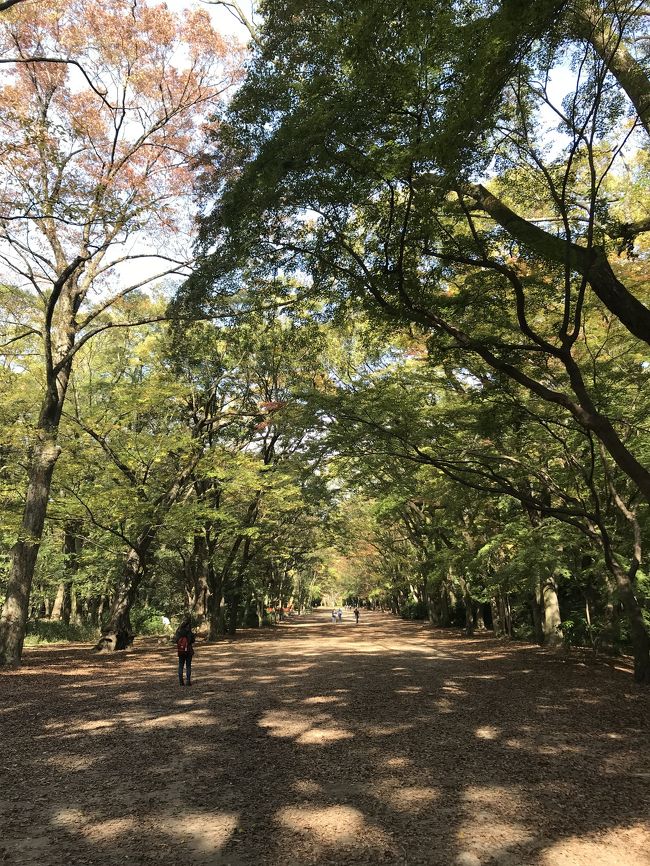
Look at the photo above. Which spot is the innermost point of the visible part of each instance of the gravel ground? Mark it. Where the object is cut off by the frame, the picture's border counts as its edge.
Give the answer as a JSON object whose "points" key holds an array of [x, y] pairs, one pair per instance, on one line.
{"points": [[320, 743]]}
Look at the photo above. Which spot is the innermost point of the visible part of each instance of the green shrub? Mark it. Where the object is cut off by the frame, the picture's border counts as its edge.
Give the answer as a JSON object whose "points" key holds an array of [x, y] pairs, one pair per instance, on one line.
{"points": [[148, 620], [414, 610], [42, 631]]}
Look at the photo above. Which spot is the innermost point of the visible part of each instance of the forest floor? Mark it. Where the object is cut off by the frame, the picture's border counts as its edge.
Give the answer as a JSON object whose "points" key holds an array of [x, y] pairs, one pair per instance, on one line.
{"points": [[316, 743]]}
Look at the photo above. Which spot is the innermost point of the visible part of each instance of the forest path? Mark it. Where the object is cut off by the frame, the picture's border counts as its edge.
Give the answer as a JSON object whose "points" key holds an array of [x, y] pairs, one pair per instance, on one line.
{"points": [[322, 743]]}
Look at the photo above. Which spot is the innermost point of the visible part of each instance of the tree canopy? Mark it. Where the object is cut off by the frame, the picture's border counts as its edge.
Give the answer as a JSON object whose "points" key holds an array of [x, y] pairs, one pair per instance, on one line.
{"points": [[407, 365]]}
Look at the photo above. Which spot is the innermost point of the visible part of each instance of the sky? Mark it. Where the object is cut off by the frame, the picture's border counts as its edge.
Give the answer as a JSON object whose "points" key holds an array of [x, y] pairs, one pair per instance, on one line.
{"points": [[225, 23], [223, 20]]}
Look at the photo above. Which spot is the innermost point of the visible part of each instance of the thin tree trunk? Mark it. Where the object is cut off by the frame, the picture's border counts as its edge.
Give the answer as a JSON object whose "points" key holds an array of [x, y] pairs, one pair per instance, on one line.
{"points": [[536, 606], [445, 617], [497, 623], [469, 606]]}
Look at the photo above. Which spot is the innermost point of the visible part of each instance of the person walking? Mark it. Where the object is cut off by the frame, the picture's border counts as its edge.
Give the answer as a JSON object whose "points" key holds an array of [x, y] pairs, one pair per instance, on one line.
{"points": [[185, 638], [356, 614], [339, 614]]}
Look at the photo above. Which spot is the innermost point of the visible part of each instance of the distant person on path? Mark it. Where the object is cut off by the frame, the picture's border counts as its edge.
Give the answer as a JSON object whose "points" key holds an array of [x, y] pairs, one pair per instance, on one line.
{"points": [[356, 614], [185, 638], [333, 616], [339, 615]]}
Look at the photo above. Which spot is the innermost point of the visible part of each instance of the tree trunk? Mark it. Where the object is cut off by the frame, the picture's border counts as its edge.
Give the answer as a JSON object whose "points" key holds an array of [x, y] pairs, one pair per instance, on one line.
{"points": [[638, 631], [59, 606], [260, 612], [497, 623], [504, 614], [552, 620], [117, 634], [72, 545], [469, 606], [590, 22], [13, 620], [536, 602], [236, 594], [445, 616], [432, 606], [196, 580]]}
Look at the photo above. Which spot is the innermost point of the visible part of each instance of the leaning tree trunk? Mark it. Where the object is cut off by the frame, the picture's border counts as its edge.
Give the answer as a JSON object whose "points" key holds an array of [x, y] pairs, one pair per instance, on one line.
{"points": [[62, 603], [58, 341], [117, 634]]}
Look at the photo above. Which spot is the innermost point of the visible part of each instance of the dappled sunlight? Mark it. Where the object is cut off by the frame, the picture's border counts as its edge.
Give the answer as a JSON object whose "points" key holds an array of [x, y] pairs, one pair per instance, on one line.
{"points": [[489, 732], [407, 798], [306, 787], [625, 846], [398, 763], [201, 832], [94, 726], [185, 719], [308, 752], [74, 820], [444, 706], [288, 724], [74, 763], [491, 823], [453, 688], [131, 696], [548, 743], [330, 825], [308, 730], [323, 736]]}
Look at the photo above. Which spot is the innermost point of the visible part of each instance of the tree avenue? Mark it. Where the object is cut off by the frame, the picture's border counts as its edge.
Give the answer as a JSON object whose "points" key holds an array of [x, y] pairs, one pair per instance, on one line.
{"points": [[408, 367]]}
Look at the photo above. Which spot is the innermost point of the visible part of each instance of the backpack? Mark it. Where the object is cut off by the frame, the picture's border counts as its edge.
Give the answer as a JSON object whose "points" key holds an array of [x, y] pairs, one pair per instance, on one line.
{"points": [[183, 644]]}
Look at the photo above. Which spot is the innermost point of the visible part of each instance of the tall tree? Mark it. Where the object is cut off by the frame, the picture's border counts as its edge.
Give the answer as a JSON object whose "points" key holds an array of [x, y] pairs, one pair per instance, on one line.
{"points": [[90, 164], [379, 128]]}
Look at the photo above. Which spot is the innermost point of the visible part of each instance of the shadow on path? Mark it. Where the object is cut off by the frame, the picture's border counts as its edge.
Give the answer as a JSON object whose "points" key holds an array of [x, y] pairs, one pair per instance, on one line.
{"points": [[317, 743]]}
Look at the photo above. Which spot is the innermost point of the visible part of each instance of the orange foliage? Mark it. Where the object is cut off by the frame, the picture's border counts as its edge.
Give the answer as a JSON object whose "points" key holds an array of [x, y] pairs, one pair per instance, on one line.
{"points": [[103, 146]]}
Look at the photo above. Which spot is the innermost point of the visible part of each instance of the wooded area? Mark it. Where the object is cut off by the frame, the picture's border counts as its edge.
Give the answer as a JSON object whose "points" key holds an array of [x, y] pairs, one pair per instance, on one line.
{"points": [[356, 314], [320, 307]]}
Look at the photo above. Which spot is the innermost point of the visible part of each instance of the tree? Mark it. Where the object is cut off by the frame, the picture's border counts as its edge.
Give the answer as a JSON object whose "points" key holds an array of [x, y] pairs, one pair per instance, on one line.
{"points": [[377, 144], [498, 443], [89, 166]]}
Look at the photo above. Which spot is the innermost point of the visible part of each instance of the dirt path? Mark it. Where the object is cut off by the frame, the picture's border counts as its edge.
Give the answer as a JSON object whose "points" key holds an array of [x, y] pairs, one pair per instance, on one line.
{"points": [[322, 743]]}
